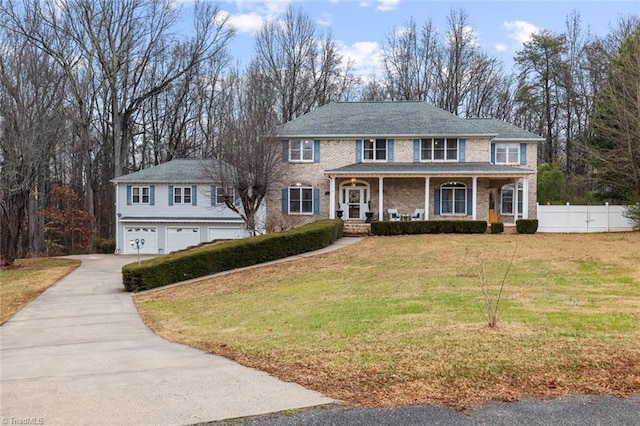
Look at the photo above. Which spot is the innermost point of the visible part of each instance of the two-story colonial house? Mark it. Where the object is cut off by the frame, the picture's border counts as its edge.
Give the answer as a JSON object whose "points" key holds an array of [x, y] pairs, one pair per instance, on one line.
{"points": [[172, 206], [412, 158]]}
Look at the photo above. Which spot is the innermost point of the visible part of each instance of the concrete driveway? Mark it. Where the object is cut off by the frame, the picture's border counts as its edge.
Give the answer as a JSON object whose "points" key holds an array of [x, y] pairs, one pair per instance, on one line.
{"points": [[80, 354]]}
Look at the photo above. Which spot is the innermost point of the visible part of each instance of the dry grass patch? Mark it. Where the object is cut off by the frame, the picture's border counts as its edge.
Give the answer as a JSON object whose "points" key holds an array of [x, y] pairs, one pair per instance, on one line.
{"points": [[400, 320], [24, 281]]}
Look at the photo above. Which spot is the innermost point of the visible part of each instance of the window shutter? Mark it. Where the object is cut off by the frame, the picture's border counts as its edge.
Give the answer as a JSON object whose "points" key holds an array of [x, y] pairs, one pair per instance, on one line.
{"points": [[285, 200], [389, 149], [128, 195], [285, 151], [469, 201], [152, 195], [436, 201], [316, 151], [493, 153], [416, 150], [194, 195], [523, 153], [213, 195], [359, 151], [316, 201], [461, 150], [170, 195]]}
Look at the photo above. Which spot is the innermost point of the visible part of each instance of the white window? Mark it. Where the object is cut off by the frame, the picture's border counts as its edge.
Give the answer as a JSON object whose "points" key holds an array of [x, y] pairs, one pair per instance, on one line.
{"points": [[439, 149], [507, 153], [301, 150], [140, 195], [181, 195], [301, 199], [453, 199], [507, 200], [374, 149]]}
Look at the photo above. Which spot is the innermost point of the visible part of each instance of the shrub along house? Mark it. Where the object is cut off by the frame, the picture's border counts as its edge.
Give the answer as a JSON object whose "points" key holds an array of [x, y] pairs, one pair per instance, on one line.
{"points": [[172, 206], [356, 157]]}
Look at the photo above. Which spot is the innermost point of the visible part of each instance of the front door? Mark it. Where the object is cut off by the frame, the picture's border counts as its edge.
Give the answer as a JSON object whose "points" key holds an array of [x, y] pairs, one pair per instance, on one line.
{"points": [[354, 201]]}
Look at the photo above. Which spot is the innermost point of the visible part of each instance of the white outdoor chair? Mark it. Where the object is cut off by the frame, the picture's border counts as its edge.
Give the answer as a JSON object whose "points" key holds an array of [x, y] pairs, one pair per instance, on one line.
{"points": [[418, 214], [393, 214]]}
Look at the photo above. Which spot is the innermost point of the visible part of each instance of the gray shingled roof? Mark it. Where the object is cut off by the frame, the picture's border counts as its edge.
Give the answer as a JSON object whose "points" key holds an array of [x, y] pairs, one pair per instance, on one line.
{"points": [[428, 169], [505, 130], [388, 119], [174, 171]]}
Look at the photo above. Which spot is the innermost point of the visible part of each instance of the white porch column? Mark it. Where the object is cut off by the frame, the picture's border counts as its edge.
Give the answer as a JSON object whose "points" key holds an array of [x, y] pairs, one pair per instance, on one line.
{"points": [[426, 198], [515, 201], [474, 198], [380, 198], [525, 198], [332, 198]]}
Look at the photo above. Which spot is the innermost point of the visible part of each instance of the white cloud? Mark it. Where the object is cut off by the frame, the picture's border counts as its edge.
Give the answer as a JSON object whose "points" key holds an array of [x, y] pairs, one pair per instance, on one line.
{"points": [[251, 14], [246, 22], [325, 20], [520, 31], [501, 47], [386, 5], [365, 55]]}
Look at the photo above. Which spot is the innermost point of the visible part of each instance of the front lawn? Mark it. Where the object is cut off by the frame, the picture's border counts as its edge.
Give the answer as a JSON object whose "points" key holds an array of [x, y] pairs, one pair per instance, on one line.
{"points": [[24, 281], [401, 320]]}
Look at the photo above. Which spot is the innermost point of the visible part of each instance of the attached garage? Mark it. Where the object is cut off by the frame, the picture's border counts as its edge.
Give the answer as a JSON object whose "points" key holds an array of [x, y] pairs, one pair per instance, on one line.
{"points": [[181, 238], [148, 234], [227, 231]]}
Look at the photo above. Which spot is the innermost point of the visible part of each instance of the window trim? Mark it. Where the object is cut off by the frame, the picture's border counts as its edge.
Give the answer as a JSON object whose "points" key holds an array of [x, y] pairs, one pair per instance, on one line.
{"points": [[510, 188], [140, 194], [445, 150], [375, 150], [454, 187], [514, 147], [300, 188], [300, 145], [182, 196]]}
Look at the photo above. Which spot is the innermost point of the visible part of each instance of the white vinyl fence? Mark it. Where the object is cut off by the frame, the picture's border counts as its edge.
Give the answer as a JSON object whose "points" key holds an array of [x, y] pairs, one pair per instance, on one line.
{"points": [[569, 218]]}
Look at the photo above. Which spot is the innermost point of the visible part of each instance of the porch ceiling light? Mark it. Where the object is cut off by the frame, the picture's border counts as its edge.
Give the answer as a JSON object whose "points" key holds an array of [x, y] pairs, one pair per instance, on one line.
{"points": [[353, 181]]}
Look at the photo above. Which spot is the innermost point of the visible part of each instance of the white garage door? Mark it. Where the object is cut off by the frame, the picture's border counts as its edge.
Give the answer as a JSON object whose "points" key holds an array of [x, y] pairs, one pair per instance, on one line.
{"points": [[225, 232], [181, 238], [149, 235]]}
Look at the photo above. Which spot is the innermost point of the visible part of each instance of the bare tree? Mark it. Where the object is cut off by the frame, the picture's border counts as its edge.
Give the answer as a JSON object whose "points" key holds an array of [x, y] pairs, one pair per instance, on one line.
{"points": [[301, 68], [31, 93], [109, 51], [249, 153], [408, 61]]}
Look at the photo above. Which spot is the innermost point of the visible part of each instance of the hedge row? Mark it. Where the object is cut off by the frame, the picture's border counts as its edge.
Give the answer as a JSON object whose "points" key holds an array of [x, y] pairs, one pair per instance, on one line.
{"points": [[213, 258], [429, 227]]}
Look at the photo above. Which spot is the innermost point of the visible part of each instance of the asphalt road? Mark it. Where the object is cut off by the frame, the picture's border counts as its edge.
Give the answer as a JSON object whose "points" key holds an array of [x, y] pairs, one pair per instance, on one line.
{"points": [[567, 411]]}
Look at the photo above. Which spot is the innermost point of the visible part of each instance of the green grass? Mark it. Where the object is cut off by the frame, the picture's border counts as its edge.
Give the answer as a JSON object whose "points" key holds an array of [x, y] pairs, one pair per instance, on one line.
{"points": [[401, 319]]}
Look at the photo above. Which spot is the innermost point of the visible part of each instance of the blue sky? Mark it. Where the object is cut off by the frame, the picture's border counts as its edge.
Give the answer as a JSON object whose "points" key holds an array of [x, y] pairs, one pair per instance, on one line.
{"points": [[361, 26]]}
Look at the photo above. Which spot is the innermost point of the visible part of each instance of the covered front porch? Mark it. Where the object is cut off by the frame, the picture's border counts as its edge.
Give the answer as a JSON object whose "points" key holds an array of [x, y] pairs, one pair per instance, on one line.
{"points": [[426, 191]]}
